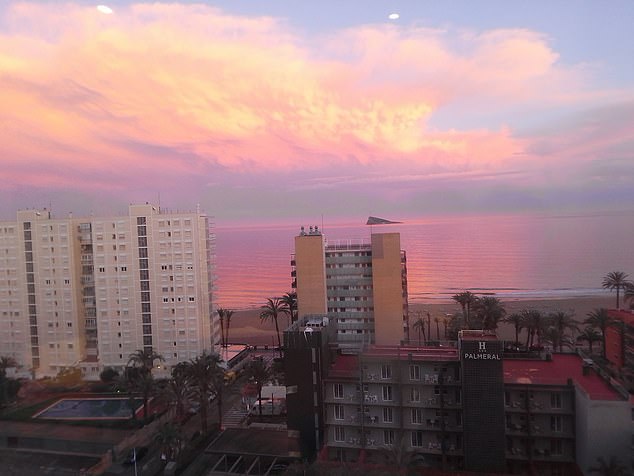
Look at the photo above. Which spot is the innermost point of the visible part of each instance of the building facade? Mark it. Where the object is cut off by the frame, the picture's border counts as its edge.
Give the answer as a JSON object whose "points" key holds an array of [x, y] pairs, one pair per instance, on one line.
{"points": [[619, 344], [361, 286], [89, 292], [467, 408]]}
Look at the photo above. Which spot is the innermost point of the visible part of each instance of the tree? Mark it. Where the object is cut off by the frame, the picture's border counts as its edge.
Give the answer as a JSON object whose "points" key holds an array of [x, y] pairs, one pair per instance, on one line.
{"points": [[144, 359], [170, 437], [599, 319], [533, 322], [613, 467], [466, 299], [517, 321], [489, 310], [228, 314], [260, 373], [437, 321], [289, 305], [271, 311], [561, 322], [108, 375], [221, 317], [177, 390], [204, 372], [616, 280], [126, 382], [419, 326], [590, 335]]}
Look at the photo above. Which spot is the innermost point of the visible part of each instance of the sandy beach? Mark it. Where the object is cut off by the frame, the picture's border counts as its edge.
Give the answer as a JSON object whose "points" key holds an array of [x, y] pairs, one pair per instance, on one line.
{"points": [[246, 326]]}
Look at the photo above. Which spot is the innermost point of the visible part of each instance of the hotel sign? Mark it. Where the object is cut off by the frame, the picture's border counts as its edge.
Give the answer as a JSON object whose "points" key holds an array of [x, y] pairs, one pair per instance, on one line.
{"points": [[482, 353]]}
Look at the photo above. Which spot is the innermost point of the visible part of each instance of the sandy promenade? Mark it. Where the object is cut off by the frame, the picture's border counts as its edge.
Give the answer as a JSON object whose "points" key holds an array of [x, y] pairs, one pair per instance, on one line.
{"points": [[247, 328]]}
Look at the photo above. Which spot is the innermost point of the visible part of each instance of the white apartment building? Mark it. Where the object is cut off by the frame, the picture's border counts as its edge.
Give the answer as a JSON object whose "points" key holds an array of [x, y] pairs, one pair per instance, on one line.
{"points": [[89, 292]]}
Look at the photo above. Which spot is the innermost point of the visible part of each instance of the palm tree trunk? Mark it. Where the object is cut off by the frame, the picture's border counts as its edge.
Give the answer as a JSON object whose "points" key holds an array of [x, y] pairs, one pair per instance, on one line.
{"points": [[437, 330], [260, 399], [227, 334], [279, 342], [419, 338], [203, 414], [517, 334]]}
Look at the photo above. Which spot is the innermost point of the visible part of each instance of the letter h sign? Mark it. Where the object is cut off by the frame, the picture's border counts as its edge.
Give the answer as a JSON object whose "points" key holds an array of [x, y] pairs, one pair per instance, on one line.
{"points": [[482, 346]]}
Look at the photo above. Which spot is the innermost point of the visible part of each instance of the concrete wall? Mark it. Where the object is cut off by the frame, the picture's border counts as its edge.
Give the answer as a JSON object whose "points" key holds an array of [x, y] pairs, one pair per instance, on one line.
{"points": [[388, 288], [604, 429], [311, 275]]}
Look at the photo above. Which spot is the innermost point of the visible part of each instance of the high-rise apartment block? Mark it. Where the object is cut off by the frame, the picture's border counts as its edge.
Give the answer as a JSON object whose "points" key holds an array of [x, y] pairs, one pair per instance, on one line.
{"points": [[90, 291], [361, 285]]}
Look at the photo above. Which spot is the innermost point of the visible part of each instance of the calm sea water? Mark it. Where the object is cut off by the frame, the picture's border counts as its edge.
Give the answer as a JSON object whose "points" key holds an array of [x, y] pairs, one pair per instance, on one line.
{"points": [[513, 257]]}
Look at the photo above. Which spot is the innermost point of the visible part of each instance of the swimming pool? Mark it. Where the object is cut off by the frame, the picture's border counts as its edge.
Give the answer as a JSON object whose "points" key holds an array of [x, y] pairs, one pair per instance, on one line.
{"points": [[99, 408]]}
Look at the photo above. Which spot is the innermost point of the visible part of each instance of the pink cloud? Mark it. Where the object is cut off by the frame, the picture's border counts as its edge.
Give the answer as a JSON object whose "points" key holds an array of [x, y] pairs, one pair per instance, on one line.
{"points": [[167, 91]]}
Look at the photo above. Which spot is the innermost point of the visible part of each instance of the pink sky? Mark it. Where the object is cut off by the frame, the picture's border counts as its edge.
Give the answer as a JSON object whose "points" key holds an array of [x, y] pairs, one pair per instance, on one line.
{"points": [[257, 119]]}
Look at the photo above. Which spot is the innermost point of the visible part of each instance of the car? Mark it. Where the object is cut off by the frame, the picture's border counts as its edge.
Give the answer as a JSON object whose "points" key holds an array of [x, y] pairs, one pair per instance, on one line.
{"points": [[135, 455]]}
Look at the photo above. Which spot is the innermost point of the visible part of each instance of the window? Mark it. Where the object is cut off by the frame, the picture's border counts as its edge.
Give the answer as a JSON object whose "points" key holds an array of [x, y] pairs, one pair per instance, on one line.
{"points": [[555, 423], [386, 371], [388, 415], [388, 437], [339, 414], [414, 372], [338, 390], [556, 447], [417, 416], [387, 393], [414, 395], [555, 400], [340, 433], [417, 438]]}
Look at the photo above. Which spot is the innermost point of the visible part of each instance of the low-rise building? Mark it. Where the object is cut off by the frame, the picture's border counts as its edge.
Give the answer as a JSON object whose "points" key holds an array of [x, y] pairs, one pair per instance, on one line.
{"points": [[467, 407]]}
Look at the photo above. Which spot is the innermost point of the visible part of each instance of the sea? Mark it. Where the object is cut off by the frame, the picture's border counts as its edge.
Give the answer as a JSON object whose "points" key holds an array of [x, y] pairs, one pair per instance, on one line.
{"points": [[510, 257]]}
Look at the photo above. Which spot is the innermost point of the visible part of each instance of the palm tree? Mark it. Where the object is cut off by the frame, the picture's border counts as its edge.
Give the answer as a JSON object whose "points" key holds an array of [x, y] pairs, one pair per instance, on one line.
{"points": [[437, 321], [260, 373], [489, 310], [599, 319], [289, 305], [534, 325], [517, 321], [616, 280], [177, 389], [271, 311], [609, 468], [221, 317], [419, 326], [126, 382], [225, 316], [562, 322], [146, 386], [170, 438], [466, 299], [144, 359], [590, 336], [204, 372]]}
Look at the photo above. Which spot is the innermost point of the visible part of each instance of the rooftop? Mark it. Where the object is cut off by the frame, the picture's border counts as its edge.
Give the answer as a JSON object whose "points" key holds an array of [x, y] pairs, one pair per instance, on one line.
{"points": [[414, 353], [557, 372]]}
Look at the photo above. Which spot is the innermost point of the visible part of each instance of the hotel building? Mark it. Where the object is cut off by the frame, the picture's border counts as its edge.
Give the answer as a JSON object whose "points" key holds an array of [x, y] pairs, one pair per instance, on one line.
{"points": [[89, 292], [361, 286], [468, 408]]}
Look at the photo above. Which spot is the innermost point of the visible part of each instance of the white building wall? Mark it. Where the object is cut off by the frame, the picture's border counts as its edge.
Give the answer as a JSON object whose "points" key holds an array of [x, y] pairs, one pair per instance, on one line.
{"points": [[180, 275], [603, 430]]}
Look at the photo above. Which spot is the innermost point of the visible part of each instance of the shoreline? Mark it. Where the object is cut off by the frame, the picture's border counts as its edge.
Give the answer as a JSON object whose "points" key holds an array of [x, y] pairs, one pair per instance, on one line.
{"points": [[247, 328]]}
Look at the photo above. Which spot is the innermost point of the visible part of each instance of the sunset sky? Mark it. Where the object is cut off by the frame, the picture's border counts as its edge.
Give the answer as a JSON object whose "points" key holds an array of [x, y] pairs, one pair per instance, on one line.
{"points": [[279, 111]]}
